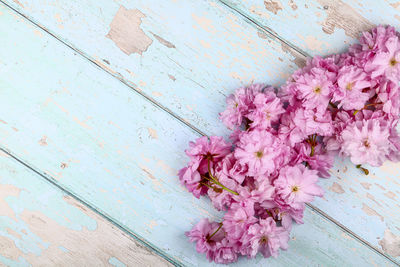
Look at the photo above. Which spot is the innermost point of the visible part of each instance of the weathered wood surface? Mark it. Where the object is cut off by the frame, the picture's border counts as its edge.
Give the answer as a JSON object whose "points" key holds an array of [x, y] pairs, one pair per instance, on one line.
{"points": [[96, 138], [41, 226], [319, 27], [223, 51]]}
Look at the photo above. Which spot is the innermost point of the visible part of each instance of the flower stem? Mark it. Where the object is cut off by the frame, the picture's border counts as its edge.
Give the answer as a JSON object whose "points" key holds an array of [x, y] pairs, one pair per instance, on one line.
{"points": [[216, 231], [215, 180], [312, 150], [366, 171]]}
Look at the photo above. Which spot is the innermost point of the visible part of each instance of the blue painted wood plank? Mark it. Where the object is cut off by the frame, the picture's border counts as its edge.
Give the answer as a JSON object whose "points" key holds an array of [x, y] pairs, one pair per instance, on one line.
{"points": [[319, 27], [42, 226], [80, 126], [203, 65]]}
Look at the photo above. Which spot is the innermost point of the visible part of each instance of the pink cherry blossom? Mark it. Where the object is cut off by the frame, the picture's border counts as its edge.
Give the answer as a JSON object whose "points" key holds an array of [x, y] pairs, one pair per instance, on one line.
{"points": [[261, 152], [268, 109], [206, 237], [366, 141], [239, 105], [297, 185], [267, 238], [238, 218], [315, 89], [351, 82], [386, 62]]}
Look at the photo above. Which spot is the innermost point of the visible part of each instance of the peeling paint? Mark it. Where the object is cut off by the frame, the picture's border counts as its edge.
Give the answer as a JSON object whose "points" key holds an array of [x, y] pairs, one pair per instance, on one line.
{"points": [[366, 185], [293, 5], [371, 212], [18, 3], [299, 59], [6, 191], [152, 133], [390, 194], [262, 35], [273, 6], [205, 23], [343, 16], [390, 243], [163, 41], [337, 188], [126, 33]]}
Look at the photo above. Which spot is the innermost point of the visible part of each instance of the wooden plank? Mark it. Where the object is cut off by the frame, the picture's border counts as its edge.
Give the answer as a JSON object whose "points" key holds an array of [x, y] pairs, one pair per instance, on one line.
{"points": [[204, 50], [319, 27], [42, 226], [96, 139], [220, 48]]}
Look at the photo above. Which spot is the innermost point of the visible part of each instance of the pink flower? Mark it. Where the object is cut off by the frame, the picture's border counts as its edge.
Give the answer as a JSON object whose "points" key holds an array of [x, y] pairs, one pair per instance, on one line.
{"points": [[366, 141], [350, 84], [239, 104], [394, 138], [225, 252], [262, 152], [256, 191], [389, 95], [213, 148], [268, 109], [289, 130], [267, 238], [386, 61], [312, 122], [233, 169], [238, 218], [297, 185], [342, 119], [320, 161], [206, 237], [283, 212], [375, 39], [221, 199], [315, 89], [201, 152], [190, 178]]}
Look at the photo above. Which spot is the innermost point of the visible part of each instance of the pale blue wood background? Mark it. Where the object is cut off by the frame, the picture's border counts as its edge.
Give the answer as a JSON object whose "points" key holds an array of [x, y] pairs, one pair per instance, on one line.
{"points": [[118, 145]]}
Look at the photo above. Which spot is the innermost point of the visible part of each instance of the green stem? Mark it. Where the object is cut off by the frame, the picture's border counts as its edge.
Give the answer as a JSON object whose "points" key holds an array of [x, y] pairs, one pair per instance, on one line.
{"points": [[215, 180], [366, 171], [216, 231], [312, 150]]}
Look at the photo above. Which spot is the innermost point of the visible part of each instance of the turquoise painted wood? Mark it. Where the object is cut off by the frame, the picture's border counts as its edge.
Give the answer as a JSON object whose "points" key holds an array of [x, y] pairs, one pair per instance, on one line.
{"points": [[205, 50], [97, 139], [368, 206], [319, 27], [42, 226]]}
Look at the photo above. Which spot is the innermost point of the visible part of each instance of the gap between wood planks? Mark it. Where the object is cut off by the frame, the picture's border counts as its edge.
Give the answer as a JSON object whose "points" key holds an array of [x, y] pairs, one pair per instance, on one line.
{"points": [[108, 218], [50, 179]]}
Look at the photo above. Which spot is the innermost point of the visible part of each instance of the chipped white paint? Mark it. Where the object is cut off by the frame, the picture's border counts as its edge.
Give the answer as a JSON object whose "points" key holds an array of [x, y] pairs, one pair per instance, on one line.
{"points": [[126, 33], [40, 226], [232, 53], [391, 243]]}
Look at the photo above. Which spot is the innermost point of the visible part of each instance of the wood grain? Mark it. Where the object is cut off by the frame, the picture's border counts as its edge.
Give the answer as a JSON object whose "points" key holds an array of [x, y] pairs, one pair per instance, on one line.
{"points": [[41, 226], [319, 26], [119, 153], [97, 138], [227, 62]]}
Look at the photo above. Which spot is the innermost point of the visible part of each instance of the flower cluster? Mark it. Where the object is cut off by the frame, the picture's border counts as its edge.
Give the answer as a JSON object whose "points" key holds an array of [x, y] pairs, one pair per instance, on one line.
{"points": [[284, 140]]}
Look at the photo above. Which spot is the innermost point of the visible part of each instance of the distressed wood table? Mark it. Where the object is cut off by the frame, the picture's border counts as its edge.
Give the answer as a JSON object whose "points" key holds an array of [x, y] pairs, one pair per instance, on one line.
{"points": [[99, 99]]}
